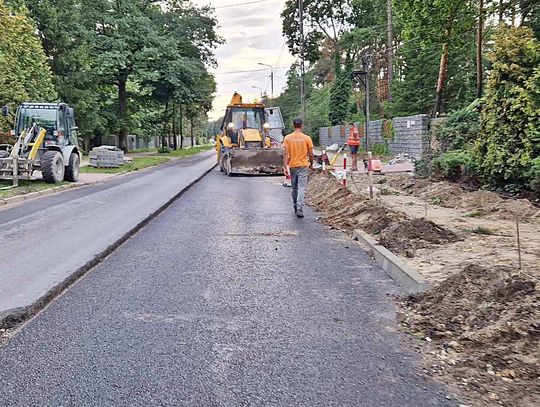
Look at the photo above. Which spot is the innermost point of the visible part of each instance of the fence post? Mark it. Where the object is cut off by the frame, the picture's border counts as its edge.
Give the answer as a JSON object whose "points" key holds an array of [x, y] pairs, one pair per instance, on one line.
{"points": [[345, 170], [370, 174]]}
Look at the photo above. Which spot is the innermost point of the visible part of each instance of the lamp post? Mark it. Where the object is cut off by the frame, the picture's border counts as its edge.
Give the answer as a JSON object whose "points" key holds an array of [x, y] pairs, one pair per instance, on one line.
{"points": [[363, 77], [271, 77]]}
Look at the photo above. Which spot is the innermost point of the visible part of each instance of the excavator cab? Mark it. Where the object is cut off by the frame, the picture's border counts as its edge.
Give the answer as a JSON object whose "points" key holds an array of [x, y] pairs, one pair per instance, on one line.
{"points": [[46, 141], [245, 145]]}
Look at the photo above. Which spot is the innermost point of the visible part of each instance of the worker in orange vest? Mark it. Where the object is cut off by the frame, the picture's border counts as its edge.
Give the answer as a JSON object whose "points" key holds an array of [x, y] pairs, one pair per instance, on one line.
{"points": [[354, 145]]}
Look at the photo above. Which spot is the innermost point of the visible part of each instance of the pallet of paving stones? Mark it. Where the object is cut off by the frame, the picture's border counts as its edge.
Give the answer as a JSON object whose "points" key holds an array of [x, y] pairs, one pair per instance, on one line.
{"points": [[106, 157]]}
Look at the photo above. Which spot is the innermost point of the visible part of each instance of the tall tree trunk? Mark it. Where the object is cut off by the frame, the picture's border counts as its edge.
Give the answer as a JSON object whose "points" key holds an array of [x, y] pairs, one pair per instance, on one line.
{"points": [[479, 43], [390, 46], [501, 11], [164, 138], [175, 137], [181, 128], [122, 110], [191, 130], [443, 69]]}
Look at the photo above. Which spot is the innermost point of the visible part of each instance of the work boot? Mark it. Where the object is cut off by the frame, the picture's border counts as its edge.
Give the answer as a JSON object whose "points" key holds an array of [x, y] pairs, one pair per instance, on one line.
{"points": [[300, 213], [295, 208]]}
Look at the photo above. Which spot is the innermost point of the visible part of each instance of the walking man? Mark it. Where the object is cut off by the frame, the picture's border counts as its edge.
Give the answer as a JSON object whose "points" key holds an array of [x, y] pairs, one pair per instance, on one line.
{"points": [[297, 158], [354, 144]]}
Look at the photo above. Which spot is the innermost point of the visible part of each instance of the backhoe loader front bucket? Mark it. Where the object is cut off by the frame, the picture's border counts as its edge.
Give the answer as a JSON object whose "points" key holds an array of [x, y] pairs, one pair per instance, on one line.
{"points": [[268, 161]]}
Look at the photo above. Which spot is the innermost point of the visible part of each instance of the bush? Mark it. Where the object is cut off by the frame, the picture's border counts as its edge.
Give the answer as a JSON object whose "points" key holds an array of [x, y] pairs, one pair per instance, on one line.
{"points": [[164, 150], [510, 125], [534, 176], [452, 165], [380, 149], [460, 130]]}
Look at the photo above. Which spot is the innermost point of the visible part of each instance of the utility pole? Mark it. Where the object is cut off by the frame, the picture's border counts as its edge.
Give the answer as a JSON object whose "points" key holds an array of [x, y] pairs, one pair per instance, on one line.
{"points": [[479, 42], [367, 60], [390, 45], [302, 61], [271, 79]]}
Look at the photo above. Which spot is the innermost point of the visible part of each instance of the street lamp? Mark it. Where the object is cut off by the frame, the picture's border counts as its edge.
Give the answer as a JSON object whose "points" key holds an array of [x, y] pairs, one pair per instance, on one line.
{"points": [[260, 89], [363, 76], [271, 77]]}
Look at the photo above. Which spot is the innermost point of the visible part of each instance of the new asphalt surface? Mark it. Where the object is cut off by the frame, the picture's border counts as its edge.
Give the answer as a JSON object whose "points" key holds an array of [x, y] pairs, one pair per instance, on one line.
{"points": [[225, 299], [43, 242]]}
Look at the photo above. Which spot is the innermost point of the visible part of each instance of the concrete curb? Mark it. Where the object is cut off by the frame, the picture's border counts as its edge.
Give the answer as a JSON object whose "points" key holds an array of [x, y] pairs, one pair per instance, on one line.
{"points": [[396, 268], [37, 194], [16, 316]]}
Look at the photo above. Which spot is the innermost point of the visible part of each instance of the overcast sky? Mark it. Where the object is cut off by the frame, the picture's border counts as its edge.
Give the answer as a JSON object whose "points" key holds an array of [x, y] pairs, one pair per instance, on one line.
{"points": [[253, 34]]}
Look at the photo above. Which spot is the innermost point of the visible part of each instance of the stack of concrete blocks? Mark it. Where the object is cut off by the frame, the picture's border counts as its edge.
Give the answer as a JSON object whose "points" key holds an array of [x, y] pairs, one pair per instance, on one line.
{"points": [[411, 135], [106, 157]]}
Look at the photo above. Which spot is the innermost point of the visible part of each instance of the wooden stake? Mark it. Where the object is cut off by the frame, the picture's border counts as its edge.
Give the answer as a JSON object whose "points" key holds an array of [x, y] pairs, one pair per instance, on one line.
{"points": [[518, 243], [370, 174]]}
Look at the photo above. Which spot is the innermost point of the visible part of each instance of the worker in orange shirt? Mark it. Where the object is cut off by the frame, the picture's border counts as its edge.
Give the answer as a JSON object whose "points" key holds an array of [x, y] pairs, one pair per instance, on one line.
{"points": [[297, 158], [354, 144]]}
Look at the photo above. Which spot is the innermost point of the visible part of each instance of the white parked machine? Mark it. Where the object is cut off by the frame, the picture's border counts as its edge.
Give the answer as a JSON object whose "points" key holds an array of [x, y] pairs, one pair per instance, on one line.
{"points": [[45, 140]]}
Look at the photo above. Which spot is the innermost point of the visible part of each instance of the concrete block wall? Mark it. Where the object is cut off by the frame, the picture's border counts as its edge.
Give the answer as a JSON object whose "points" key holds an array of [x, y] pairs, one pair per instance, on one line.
{"points": [[411, 135]]}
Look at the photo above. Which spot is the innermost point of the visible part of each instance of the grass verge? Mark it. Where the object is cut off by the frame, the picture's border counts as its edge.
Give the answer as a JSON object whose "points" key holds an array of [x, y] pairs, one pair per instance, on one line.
{"points": [[25, 187], [187, 152], [138, 164]]}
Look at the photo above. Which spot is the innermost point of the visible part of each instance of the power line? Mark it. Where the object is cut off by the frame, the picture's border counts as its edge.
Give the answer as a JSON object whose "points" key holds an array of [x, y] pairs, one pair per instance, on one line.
{"points": [[249, 71], [243, 4]]}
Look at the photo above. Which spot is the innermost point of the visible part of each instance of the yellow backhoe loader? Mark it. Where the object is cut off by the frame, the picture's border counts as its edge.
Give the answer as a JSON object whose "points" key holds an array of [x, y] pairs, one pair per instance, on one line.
{"points": [[248, 144]]}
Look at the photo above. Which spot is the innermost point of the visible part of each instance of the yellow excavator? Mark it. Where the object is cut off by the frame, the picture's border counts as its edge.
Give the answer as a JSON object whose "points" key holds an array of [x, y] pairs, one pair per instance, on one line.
{"points": [[248, 143]]}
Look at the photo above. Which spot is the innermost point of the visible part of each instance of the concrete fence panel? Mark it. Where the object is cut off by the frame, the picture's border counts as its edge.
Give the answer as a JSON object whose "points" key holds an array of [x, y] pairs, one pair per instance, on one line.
{"points": [[411, 135]]}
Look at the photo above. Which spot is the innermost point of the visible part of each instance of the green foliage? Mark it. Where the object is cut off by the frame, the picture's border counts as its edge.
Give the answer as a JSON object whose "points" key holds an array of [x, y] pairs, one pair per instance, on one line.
{"points": [[120, 64], [452, 165], [481, 230], [510, 123], [424, 28], [339, 108], [534, 175], [164, 150], [478, 213], [388, 130], [380, 149], [460, 130], [24, 72]]}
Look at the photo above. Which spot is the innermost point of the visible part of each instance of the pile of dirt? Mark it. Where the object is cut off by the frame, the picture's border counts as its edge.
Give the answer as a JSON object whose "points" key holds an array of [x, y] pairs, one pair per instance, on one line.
{"points": [[451, 195], [484, 325], [343, 209], [408, 235]]}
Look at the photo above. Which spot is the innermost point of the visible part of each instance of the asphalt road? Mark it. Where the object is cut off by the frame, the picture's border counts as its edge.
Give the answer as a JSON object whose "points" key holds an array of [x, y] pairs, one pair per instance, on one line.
{"points": [[44, 241], [225, 299]]}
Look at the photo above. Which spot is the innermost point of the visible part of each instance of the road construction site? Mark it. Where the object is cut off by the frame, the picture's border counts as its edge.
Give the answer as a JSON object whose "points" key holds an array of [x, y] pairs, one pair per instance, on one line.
{"points": [[201, 307], [478, 324]]}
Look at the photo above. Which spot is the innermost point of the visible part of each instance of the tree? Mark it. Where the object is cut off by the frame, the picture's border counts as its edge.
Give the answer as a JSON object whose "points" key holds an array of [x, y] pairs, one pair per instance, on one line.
{"points": [[24, 72], [510, 125], [436, 56]]}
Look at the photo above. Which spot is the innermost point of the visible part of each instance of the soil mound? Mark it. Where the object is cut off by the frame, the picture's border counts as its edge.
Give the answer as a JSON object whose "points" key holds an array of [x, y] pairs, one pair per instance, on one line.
{"points": [[451, 195], [411, 234], [488, 323], [343, 209]]}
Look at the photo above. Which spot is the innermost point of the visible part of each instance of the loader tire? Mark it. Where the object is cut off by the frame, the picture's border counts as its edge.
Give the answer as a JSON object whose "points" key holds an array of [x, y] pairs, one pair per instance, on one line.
{"points": [[52, 167], [72, 170]]}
